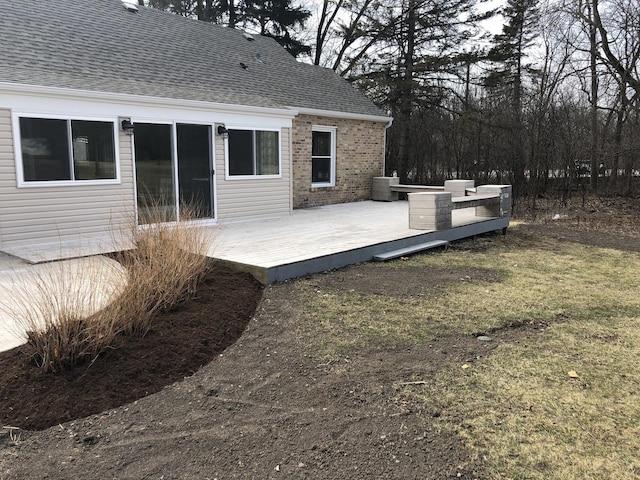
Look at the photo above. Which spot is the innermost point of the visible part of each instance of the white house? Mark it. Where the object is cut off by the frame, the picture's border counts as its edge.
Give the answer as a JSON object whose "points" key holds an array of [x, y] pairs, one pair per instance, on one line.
{"points": [[106, 108]]}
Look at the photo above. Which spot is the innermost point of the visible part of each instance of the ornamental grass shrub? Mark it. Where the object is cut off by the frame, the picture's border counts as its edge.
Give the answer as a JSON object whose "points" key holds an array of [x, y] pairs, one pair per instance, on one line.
{"points": [[167, 262], [62, 309], [72, 311]]}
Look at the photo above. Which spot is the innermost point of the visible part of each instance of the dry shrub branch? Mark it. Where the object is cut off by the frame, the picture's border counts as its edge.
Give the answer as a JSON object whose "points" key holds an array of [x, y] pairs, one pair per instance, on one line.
{"points": [[63, 308]]}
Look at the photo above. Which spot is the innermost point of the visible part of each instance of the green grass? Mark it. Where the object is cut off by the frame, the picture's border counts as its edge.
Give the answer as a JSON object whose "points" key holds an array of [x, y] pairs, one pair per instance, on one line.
{"points": [[532, 420], [524, 413], [539, 282]]}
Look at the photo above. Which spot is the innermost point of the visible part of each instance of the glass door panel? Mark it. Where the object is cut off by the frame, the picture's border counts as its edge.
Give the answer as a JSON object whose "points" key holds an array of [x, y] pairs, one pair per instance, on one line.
{"points": [[194, 169], [154, 173]]}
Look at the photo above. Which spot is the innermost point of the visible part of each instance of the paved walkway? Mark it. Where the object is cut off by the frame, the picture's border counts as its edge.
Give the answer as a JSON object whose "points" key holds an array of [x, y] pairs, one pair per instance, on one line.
{"points": [[26, 290], [9, 338]]}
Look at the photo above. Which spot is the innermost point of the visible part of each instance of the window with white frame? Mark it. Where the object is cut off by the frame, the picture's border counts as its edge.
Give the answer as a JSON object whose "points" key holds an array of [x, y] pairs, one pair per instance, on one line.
{"points": [[254, 152], [323, 156], [67, 150]]}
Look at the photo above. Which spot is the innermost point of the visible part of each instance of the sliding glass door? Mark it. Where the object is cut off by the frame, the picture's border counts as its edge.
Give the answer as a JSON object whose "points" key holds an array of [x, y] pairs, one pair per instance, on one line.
{"points": [[173, 171], [194, 169], [154, 173]]}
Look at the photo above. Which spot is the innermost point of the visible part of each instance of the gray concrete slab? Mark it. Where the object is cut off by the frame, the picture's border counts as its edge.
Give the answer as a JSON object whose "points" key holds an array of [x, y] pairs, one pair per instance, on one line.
{"points": [[85, 284], [307, 241]]}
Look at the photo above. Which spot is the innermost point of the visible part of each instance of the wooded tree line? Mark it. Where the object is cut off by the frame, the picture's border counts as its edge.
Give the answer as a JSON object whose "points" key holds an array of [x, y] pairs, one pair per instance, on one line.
{"points": [[547, 104]]}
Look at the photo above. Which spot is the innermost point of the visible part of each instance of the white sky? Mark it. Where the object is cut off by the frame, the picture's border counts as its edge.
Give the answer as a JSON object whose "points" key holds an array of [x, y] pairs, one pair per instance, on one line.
{"points": [[494, 25]]}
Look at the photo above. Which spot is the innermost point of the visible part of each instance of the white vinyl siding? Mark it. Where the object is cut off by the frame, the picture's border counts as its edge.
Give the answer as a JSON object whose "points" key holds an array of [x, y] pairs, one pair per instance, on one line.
{"points": [[60, 213], [7, 163], [39, 218], [252, 198]]}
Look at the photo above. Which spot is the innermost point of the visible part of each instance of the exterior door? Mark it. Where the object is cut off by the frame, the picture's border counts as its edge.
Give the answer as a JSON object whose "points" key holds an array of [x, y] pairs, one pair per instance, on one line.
{"points": [[173, 171], [195, 170], [155, 182]]}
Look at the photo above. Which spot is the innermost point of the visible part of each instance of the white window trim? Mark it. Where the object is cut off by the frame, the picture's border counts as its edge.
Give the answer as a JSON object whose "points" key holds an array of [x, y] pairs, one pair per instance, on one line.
{"points": [[17, 143], [332, 131], [227, 176]]}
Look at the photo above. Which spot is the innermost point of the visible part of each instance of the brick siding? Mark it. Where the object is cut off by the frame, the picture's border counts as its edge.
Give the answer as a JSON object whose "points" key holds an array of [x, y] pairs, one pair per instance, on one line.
{"points": [[359, 158]]}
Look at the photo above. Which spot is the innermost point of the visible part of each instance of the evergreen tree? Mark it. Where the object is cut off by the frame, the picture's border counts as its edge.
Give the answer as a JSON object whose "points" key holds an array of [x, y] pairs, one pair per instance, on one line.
{"points": [[505, 82], [277, 19], [419, 48], [509, 52]]}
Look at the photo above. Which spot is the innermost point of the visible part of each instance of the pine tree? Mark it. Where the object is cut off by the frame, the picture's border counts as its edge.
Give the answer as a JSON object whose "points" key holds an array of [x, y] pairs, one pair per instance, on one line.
{"points": [[277, 19], [506, 80], [509, 52], [419, 48]]}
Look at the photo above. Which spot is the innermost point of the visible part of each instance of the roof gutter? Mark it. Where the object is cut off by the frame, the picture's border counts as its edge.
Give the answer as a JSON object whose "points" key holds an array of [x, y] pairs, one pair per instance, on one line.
{"points": [[131, 99], [345, 115]]}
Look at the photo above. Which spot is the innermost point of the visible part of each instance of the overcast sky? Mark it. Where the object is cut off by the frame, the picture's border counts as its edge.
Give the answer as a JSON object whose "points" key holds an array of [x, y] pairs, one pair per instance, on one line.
{"points": [[493, 26]]}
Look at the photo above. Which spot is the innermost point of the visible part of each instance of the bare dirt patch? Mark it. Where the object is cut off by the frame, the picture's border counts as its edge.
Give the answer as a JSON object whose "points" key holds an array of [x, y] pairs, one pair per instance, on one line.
{"points": [[264, 407], [400, 281], [566, 232], [595, 213]]}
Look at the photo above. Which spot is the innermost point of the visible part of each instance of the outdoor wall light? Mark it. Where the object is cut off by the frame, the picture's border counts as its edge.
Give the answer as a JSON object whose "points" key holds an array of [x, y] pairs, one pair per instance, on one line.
{"points": [[222, 130], [127, 126]]}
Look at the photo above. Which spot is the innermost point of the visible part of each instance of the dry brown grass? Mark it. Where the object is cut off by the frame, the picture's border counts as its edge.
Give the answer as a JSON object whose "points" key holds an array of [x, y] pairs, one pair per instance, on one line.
{"points": [[521, 411], [62, 307], [73, 311], [164, 267], [591, 211]]}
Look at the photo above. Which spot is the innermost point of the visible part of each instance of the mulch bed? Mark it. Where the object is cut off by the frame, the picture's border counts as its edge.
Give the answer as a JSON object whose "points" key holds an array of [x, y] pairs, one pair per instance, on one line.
{"points": [[179, 343]]}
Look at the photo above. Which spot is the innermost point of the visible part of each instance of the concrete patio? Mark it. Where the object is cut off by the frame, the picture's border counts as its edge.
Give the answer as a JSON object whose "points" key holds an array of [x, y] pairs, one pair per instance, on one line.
{"points": [[307, 241], [323, 238]]}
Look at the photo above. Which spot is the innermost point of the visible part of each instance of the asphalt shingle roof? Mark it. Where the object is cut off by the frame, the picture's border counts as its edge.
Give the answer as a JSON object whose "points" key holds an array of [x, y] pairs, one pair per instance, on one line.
{"points": [[99, 45]]}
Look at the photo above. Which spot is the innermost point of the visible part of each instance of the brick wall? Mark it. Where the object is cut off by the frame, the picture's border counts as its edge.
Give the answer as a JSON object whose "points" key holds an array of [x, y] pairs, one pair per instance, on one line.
{"points": [[359, 158]]}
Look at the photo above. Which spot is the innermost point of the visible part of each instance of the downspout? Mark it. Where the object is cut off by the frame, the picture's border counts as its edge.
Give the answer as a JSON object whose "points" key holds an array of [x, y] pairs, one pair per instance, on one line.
{"points": [[291, 172], [384, 146]]}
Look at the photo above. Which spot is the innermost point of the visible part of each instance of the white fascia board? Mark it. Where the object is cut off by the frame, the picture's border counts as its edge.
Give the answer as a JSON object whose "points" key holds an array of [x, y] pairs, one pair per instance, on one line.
{"points": [[345, 115], [143, 100]]}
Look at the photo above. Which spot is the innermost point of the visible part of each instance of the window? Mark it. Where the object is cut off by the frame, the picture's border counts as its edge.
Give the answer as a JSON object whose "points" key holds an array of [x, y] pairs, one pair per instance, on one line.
{"points": [[254, 152], [67, 150], [323, 157]]}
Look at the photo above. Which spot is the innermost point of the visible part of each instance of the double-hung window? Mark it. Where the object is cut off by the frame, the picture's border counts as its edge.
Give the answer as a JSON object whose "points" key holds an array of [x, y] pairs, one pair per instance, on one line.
{"points": [[254, 152], [65, 150], [323, 157]]}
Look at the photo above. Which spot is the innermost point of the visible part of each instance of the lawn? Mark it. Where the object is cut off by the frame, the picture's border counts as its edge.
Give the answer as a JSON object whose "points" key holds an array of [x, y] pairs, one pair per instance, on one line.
{"points": [[559, 404]]}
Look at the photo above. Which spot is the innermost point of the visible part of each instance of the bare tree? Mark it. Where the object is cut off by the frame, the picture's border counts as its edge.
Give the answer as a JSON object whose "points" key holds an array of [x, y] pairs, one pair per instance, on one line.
{"points": [[325, 23]]}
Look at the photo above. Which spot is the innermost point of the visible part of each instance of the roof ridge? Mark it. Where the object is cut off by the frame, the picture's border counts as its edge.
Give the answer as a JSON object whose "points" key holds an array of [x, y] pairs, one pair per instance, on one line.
{"points": [[99, 45]]}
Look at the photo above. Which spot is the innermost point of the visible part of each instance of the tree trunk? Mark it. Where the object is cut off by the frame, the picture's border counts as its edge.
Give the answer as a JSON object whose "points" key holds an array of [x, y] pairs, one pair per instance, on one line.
{"points": [[406, 94], [319, 34], [617, 149], [233, 18], [593, 68]]}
